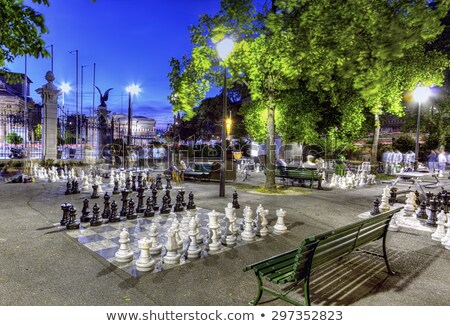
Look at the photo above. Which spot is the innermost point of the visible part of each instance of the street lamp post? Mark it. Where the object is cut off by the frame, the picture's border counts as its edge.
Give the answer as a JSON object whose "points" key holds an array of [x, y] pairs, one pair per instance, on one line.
{"points": [[224, 48], [132, 89], [421, 94]]}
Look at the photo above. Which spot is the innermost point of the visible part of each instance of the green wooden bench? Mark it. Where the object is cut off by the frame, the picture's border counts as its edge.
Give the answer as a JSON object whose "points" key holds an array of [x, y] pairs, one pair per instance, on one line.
{"points": [[297, 265], [299, 173]]}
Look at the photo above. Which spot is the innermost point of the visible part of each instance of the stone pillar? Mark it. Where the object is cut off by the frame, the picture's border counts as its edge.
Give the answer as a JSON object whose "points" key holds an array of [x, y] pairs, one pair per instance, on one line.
{"points": [[49, 93]]}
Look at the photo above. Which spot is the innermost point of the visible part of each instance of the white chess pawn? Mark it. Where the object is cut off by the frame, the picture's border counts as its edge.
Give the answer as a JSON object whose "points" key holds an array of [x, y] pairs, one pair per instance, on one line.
{"points": [[440, 230], [193, 249], [145, 262], [111, 178], [124, 254], [280, 226], [200, 236], [156, 247], [248, 234], [393, 225], [99, 182], [86, 186], [384, 206], [446, 239], [172, 256], [214, 226]]}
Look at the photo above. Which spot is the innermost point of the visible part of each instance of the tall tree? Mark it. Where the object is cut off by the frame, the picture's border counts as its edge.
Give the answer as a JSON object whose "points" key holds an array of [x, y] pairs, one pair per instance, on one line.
{"points": [[323, 46], [21, 30]]}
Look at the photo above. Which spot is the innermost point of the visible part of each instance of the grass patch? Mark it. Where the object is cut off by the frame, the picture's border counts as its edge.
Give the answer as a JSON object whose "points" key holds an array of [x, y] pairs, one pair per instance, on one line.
{"points": [[381, 176], [278, 190]]}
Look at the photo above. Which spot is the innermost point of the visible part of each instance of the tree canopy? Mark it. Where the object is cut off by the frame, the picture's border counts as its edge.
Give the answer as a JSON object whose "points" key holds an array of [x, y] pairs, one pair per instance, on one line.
{"points": [[303, 61]]}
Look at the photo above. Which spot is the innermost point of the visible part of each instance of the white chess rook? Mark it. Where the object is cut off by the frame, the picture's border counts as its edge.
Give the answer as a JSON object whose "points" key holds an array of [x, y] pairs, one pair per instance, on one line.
{"points": [[145, 262], [280, 226]]}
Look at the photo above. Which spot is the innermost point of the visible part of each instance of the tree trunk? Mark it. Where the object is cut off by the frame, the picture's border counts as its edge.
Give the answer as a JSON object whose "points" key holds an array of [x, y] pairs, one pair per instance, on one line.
{"points": [[376, 136], [270, 148]]}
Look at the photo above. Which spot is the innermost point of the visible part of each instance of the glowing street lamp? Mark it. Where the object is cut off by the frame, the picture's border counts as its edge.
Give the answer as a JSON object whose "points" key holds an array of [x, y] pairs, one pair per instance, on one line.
{"points": [[420, 94], [224, 48], [132, 89]]}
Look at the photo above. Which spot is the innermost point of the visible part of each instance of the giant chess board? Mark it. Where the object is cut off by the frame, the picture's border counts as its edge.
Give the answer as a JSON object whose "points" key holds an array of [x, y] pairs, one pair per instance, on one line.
{"points": [[104, 239]]}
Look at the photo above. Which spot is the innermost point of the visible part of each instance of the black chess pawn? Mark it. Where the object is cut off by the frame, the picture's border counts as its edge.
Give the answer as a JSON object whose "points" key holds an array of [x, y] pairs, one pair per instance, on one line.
{"points": [[168, 184], [65, 218], [432, 218], [422, 213], [178, 204], [393, 196], [155, 198], [85, 211], [133, 183], [169, 200], [106, 208], [190, 204], [128, 184], [158, 182], [165, 209], [68, 188], [445, 201], [114, 216], [429, 196], [182, 192], [124, 200], [140, 206], [96, 220], [149, 212], [417, 197], [72, 223], [94, 191], [116, 190], [131, 214], [75, 187], [376, 207], [235, 200]]}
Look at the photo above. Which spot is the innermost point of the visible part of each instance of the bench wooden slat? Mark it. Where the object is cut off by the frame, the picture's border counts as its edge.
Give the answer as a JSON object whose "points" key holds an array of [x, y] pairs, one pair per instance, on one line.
{"points": [[317, 251]]}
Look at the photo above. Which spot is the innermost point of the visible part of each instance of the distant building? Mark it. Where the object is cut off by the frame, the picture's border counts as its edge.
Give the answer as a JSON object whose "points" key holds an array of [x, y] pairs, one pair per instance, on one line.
{"points": [[143, 129], [14, 98]]}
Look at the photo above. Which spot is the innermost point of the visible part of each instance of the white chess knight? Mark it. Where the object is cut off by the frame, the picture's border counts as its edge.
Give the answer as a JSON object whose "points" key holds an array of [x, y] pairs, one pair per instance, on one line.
{"points": [[248, 234], [156, 247], [264, 230], [193, 249], [393, 225], [172, 256], [124, 254], [446, 239], [280, 226], [409, 208], [145, 261], [232, 228], [214, 226]]}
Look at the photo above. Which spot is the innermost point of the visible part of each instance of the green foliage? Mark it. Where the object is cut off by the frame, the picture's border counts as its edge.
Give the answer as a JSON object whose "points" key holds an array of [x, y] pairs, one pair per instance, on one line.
{"points": [[21, 31], [404, 143], [38, 132], [14, 138]]}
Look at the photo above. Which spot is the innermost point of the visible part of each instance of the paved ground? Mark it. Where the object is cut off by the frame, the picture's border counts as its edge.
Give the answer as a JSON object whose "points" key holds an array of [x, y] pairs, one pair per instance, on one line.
{"points": [[40, 265]]}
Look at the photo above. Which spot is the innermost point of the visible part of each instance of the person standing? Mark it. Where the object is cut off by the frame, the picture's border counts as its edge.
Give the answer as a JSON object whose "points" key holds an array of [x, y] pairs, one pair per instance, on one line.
{"points": [[442, 161], [431, 160]]}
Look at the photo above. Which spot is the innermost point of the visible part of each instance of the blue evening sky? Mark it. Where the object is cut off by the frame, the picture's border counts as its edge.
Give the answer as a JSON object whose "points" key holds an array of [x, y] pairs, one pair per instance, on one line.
{"points": [[131, 41]]}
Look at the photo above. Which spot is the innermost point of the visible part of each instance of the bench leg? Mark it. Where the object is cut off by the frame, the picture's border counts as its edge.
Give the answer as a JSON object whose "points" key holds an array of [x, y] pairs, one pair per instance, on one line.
{"points": [[255, 301], [386, 258]]}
